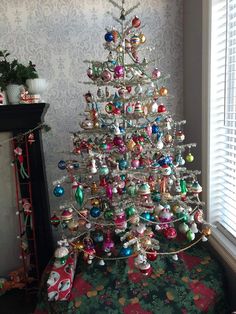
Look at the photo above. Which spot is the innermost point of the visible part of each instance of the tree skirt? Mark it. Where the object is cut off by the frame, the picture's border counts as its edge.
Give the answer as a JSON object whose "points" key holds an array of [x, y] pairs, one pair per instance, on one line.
{"points": [[193, 284]]}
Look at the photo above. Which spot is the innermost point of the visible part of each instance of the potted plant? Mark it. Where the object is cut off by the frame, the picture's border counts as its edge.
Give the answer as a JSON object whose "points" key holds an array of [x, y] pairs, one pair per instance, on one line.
{"points": [[13, 76]]}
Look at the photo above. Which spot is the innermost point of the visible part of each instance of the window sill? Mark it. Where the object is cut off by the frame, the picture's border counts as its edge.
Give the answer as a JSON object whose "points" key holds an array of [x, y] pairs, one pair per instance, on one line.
{"points": [[225, 248]]}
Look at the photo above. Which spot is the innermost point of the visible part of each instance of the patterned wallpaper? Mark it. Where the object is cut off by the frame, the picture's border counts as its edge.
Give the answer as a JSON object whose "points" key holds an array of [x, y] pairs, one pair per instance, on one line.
{"points": [[57, 35]]}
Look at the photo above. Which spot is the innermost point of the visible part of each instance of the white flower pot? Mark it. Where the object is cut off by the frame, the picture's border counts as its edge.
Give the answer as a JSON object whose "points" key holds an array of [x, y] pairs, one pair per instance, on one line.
{"points": [[36, 86], [14, 92]]}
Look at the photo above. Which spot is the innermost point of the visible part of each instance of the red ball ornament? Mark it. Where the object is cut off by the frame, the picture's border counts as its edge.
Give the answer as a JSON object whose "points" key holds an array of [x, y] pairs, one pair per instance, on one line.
{"points": [[161, 108], [152, 255], [54, 220], [170, 233], [136, 22]]}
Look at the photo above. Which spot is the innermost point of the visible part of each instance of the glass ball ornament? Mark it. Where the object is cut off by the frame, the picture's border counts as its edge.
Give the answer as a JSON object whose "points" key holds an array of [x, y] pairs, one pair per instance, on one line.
{"points": [[190, 235], [146, 216], [183, 216], [183, 228], [180, 136], [144, 189], [189, 157], [95, 212], [61, 165], [106, 76], [170, 233], [136, 22], [166, 170], [119, 71], [126, 251], [58, 191], [163, 91], [108, 214], [151, 255], [103, 170], [155, 129], [130, 211], [123, 164], [98, 237], [145, 269], [54, 220], [108, 37], [156, 73], [161, 108]]}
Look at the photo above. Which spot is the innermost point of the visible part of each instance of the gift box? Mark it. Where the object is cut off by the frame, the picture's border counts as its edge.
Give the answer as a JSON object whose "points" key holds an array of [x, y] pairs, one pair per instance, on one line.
{"points": [[60, 279]]}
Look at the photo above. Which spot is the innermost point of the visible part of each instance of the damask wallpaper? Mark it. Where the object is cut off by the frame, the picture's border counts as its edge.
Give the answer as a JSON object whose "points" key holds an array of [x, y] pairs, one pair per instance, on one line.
{"points": [[57, 35]]}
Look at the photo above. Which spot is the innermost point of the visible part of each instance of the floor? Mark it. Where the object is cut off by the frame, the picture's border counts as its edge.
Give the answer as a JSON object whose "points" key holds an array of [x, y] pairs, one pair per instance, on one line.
{"points": [[17, 302]]}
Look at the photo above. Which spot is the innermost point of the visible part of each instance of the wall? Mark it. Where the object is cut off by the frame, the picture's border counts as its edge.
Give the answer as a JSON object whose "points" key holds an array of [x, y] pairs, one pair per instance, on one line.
{"points": [[193, 76], [58, 35]]}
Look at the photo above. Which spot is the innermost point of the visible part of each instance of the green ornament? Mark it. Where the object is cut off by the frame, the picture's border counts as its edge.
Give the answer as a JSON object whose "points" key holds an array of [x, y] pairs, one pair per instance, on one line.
{"points": [[108, 214], [184, 216], [131, 190], [130, 211], [183, 186], [190, 235], [79, 195]]}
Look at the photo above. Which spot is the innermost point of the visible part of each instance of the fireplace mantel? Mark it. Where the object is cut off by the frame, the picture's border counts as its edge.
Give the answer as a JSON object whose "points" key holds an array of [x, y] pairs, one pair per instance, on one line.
{"points": [[19, 119]]}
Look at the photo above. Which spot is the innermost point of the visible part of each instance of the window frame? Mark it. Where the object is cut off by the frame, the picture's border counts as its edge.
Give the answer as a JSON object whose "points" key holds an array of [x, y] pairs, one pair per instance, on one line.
{"points": [[225, 248]]}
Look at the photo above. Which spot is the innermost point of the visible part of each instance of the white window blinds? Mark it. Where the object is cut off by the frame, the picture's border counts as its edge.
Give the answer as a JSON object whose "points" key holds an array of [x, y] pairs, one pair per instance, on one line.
{"points": [[222, 172]]}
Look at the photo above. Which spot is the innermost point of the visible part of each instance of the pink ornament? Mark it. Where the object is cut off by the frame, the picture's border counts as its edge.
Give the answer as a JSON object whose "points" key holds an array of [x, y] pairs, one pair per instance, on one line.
{"points": [[156, 74], [135, 163], [118, 141], [109, 192], [108, 244], [149, 130], [106, 76], [119, 71], [122, 149]]}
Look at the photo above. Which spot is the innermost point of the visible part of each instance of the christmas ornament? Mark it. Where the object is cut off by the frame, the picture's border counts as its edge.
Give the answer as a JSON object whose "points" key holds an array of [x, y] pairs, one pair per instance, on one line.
{"points": [[189, 157], [79, 195], [58, 191], [151, 255], [61, 254], [119, 71], [135, 40], [66, 215], [54, 220], [109, 37], [136, 22], [126, 251], [156, 74], [95, 212]]}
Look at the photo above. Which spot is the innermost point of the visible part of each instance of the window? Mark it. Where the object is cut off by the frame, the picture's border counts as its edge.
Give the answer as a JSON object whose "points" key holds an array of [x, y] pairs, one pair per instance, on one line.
{"points": [[220, 120]]}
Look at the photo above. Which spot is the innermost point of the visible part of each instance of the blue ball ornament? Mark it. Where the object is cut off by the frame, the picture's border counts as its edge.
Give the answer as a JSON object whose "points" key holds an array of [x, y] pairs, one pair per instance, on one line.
{"points": [[58, 190], [122, 130], [126, 251], [156, 197], [62, 165], [146, 216], [155, 129], [123, 164], [108, 37], [95, 212], [76, 165], [98, 237]]}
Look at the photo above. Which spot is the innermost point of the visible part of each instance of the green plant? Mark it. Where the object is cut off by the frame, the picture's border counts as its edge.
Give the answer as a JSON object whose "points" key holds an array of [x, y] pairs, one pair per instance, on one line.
{"points": [[13, 72]]}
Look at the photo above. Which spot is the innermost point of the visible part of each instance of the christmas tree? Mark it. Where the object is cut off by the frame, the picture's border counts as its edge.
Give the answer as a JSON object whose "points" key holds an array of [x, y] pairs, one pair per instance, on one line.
{"points": [[131, 194]]}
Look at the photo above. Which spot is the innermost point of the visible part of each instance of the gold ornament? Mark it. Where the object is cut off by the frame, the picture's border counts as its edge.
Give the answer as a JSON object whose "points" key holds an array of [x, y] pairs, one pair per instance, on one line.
{"points": [[168, 138], [206, 230], [131, 144], [146, 241], [163, 91], [142, 38], [73, 225], [94, 188], [95, 201], [119, 48], [96, 124], [78, 245], [134, 219]]}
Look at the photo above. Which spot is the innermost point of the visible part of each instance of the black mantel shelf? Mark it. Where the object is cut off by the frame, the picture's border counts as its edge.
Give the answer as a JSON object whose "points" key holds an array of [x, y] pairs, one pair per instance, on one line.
{"points": [[21, 116], [19, 119]]}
